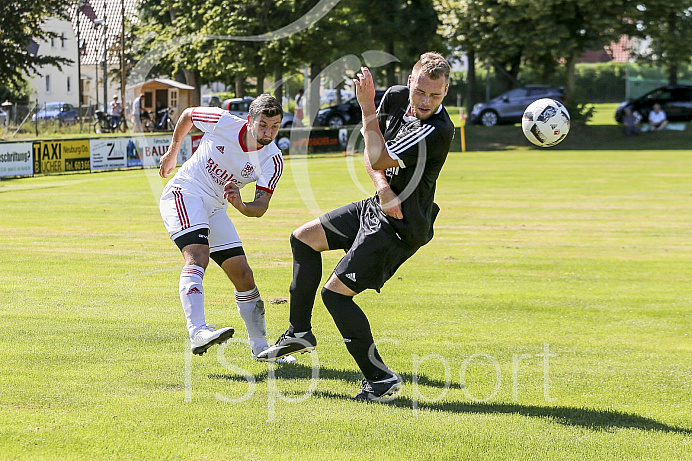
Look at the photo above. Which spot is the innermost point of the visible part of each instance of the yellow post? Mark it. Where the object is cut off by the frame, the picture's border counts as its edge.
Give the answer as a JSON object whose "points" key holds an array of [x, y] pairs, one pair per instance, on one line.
{"points": [[462, 129]]}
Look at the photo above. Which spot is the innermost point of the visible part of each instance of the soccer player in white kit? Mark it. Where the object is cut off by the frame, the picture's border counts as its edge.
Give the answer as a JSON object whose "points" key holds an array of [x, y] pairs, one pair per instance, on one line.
{"points": [[232, 153]]}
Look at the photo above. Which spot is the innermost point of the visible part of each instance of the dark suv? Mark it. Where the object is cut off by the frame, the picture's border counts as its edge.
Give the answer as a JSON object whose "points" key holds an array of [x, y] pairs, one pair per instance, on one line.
{"points": [[675, 100], [509, 107], [347, 113]]}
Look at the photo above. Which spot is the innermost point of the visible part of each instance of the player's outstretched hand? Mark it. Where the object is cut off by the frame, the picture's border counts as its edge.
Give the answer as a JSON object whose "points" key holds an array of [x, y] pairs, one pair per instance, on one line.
{"points": [[167, 163], [365, 88]]}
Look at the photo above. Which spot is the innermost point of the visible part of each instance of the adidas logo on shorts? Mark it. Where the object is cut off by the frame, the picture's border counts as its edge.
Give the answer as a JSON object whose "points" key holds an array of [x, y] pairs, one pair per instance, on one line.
{"points": [[351, 276], [220, 148]]}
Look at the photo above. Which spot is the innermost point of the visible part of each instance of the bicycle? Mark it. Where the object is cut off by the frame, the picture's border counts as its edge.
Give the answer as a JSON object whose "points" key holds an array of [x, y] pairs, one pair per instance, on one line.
{"points": [[104, 124], [164, 123]]}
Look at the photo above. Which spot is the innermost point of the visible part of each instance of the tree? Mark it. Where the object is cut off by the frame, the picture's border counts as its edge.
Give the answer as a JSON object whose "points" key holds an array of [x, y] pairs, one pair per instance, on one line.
{"points": [[669, 25], [20, 24], [403, 28], [516, 33]]}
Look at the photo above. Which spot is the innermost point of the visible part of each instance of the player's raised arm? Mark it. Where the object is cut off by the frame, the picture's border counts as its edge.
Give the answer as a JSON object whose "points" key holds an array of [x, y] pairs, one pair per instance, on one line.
{"points": [[170, 159], [374, 141]]}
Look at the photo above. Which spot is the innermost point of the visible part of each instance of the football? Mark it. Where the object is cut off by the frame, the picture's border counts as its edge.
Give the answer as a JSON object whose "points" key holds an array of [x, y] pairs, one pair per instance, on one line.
{"points": [[545, 122]]}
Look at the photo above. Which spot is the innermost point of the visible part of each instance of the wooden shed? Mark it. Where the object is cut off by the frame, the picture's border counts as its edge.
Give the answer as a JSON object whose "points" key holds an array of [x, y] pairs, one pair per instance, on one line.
{"points": [[160, 93]]}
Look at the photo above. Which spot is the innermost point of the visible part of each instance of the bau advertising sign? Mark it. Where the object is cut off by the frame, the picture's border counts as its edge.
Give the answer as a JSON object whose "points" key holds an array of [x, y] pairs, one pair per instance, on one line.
{"points": [[146, 151]]}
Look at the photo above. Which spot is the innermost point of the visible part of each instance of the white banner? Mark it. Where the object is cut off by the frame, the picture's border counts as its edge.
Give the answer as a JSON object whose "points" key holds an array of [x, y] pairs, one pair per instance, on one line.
{"points": [[16, 159], [108, 153]]}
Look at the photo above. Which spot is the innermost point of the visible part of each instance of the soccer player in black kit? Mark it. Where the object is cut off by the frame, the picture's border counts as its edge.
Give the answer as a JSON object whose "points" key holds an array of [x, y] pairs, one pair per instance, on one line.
{"points": [[406, 143]]}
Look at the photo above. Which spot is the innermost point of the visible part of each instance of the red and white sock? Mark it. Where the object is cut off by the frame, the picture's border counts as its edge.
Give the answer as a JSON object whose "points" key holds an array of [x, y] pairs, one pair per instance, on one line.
{"points": [[192, 297]]}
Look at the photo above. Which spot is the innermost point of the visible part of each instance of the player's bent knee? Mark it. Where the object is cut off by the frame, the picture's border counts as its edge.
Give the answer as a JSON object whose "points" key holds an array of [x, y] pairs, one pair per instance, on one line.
{"points": [[311, 234]]}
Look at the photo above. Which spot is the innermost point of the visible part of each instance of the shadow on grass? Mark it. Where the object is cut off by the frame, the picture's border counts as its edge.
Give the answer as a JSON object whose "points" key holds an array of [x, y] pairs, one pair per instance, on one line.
{"points": [[300, 371], [569, 416], [593, 419]]}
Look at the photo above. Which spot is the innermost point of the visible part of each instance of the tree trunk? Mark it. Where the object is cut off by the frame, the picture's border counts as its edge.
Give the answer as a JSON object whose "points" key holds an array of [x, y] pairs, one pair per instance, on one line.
{"points": [[278, 86], [570, 75], [391, 67], [313, 97], [673, 74], [239, 86], [191, 79], [260, 81], [471, 82]]}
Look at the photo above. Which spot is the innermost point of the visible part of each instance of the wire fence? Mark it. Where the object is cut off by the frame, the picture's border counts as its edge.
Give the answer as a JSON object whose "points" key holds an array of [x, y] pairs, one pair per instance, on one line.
{"points": [[46, 119]]}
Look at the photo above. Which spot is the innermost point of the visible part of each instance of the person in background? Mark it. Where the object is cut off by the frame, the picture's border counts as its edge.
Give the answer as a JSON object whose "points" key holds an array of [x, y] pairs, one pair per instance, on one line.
{"points": [[657, 118], [299, 104], [116, 112], [137, 112], [631, 123]]}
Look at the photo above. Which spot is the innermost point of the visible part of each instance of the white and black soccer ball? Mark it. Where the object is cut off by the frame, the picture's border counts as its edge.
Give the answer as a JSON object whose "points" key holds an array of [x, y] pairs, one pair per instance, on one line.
{"points": [[545, 122]]}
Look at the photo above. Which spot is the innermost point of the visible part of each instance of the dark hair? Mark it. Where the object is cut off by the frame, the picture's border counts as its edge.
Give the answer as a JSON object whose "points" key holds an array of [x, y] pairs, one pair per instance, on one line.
{"points": [[433, 64], [267, 105]]}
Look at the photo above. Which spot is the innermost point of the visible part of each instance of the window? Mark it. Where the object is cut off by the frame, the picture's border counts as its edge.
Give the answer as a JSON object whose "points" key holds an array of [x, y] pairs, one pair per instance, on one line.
{"points": [[52, 42], [47, 84], [69, 84], [63, 42], [174, 98]]}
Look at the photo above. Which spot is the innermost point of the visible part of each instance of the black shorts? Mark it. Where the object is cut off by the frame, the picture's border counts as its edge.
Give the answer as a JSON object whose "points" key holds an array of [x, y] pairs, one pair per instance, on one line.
{"points": [[373, 250]]}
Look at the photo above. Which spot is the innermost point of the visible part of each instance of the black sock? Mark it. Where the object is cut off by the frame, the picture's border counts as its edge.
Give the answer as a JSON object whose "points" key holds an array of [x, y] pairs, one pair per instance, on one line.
{"points": [[355, 329], [307, 274]]}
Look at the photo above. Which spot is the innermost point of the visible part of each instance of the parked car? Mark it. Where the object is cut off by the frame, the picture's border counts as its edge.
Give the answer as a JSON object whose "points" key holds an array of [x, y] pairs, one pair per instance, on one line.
{"points": [[509, 107], [240, 107], [211, 100], [347, 113], [329, 96], [675, 100], [63, 111]]}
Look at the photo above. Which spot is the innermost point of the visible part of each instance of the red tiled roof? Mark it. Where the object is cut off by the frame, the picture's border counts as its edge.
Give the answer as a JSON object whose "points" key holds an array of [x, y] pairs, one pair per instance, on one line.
{"points": [[91, 35], [620, 51]]}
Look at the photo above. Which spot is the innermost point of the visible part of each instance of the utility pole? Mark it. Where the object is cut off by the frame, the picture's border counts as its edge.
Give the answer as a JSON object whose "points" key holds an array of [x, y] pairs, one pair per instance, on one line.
{"points": [[80, 5], [105, 61], [122, 55]]}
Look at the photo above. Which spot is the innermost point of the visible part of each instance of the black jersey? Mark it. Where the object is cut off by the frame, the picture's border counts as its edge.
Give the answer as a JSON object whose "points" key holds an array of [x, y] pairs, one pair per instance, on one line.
{"points": [[421, 147]]}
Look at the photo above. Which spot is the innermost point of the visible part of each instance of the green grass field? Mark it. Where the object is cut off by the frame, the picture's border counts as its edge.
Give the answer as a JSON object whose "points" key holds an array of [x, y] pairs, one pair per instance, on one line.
{"points": [[550, 318]]}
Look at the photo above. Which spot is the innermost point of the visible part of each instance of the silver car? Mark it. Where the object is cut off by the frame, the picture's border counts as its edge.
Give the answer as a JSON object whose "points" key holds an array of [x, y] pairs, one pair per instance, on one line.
{"points": [[509, 107]]}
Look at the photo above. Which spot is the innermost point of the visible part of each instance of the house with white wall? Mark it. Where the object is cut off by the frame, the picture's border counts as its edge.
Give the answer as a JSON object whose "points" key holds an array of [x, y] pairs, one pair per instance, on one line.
{"points": [[97, 24], [52, 84]]}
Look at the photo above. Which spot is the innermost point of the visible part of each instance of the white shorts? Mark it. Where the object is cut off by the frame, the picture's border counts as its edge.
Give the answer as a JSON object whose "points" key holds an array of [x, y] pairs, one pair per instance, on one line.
{"points": [[184, 212]]}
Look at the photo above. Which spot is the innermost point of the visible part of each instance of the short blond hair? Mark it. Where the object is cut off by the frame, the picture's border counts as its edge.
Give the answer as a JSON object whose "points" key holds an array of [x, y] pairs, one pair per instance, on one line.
{"points": [[433, 64]]}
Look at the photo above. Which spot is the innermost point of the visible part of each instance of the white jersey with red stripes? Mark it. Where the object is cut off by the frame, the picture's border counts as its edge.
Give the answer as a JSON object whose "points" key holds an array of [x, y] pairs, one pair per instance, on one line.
{"points": [[222, 157]]}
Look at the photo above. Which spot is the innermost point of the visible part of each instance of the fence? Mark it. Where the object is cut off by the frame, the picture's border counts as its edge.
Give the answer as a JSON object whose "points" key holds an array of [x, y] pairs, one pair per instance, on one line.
{"points": [[28, 158]]}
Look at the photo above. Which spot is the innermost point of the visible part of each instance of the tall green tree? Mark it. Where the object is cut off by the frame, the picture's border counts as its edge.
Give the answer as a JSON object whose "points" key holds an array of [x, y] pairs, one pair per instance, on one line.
{"points": [[403, 28], [669, 25], [516, 33], [21, 24]]}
